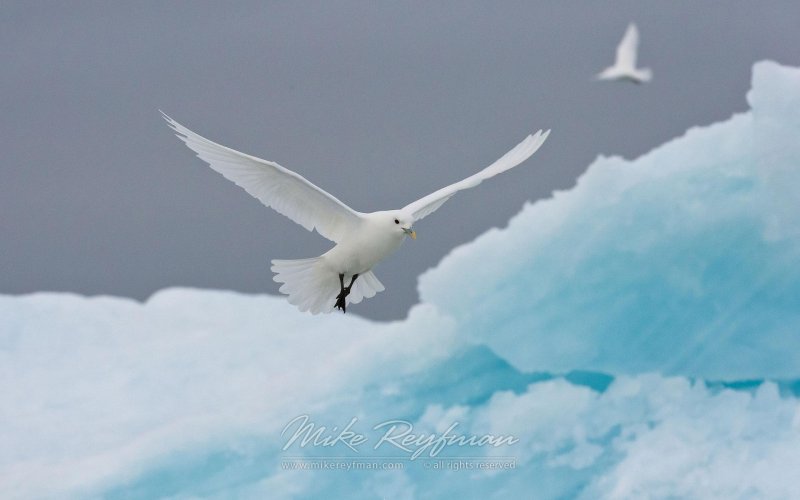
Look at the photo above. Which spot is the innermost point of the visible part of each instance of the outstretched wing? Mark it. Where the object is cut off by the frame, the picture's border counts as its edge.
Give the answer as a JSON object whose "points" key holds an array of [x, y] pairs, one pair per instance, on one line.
{"points": [[285, 191], [427, 205], [626, 51]]}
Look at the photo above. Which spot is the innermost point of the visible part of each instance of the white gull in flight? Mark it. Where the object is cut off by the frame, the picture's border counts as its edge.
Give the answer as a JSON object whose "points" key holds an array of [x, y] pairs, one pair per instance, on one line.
{"points": [[362, 239], [624, 67]]}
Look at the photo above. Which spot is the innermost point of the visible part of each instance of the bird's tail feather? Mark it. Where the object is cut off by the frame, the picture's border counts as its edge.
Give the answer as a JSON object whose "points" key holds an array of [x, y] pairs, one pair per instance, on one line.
{"points": [[312, 287]]}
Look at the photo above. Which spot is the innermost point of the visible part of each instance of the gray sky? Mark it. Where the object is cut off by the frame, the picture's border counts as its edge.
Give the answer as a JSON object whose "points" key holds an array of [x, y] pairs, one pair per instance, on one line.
{"points": [[378, 103]]}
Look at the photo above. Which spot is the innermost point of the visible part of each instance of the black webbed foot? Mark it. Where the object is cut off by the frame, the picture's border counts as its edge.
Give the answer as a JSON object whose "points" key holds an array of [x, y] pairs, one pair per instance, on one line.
{"points": [[341, 303]]}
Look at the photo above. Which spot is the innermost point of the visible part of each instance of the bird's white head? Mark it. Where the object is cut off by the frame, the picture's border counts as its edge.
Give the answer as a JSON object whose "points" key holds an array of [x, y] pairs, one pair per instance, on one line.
{"points": [[401, 223]]}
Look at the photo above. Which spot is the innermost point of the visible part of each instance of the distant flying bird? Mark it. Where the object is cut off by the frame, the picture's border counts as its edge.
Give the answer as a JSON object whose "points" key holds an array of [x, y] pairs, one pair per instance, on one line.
{"points": [[362, 239], [624, 67]]}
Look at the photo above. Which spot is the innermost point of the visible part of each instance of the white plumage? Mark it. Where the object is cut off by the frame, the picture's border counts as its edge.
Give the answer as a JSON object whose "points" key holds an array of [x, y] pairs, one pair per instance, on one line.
{"points": [[624, 67], [362, 239]]}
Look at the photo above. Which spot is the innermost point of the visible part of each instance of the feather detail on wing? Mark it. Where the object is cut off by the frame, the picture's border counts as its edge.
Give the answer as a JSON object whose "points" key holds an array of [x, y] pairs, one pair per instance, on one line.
{"points": [[429, 204], [287, 192]]}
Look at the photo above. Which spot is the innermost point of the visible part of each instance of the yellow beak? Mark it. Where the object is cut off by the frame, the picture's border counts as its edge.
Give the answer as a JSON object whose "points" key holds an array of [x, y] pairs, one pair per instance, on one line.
{"points": [[411, 233]]}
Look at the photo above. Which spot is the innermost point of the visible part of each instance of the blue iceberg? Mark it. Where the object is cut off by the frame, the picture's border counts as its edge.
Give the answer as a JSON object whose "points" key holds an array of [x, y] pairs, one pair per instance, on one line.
{"points": [[635, 336], [682, 261]]}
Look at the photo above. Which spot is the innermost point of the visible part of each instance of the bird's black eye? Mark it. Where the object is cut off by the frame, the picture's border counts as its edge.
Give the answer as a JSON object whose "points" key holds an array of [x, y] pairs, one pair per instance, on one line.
{"points": [[396, 221]]}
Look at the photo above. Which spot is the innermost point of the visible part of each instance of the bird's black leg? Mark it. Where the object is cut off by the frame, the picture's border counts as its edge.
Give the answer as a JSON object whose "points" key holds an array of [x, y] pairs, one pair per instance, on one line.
{"points": [[345, 291], [340, 304]]}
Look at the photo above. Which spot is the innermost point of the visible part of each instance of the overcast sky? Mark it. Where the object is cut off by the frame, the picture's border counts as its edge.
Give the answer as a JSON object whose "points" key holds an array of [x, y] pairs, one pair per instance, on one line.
{"points": [[378, 103]]}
